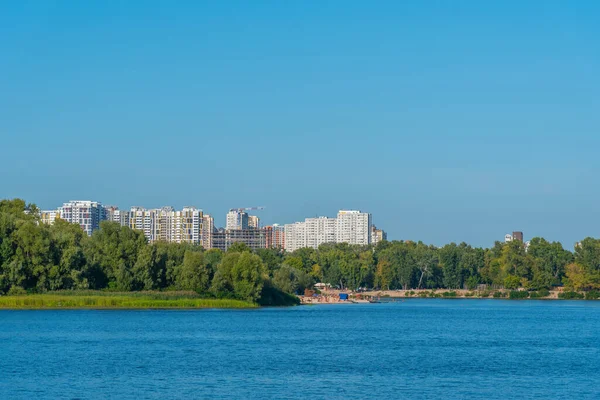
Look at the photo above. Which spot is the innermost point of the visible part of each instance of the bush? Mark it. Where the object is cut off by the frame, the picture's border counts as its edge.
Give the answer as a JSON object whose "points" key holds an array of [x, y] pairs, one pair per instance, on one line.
{"points": [[449, 294], [498, 295], [539, 294], [570, 295], [512, 282], [469, 294], [592, 295], [518, 294], [16, 291]]}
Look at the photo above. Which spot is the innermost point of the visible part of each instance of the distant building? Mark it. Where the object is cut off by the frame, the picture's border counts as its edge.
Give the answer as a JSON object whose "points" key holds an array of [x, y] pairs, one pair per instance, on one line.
{"points": [[253, 221], [255, 239], [353, 227], [517, 236], [295, 236], [113, 214], [208, 228], [377, 235], [87, 214], [144, 220], [319, 231], [350, 226], [275, 236], [49, 216], [237, 219]]}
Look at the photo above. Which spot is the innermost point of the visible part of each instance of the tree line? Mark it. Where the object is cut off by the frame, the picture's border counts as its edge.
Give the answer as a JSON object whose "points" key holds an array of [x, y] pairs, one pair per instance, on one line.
{"points": [[35, 257]]}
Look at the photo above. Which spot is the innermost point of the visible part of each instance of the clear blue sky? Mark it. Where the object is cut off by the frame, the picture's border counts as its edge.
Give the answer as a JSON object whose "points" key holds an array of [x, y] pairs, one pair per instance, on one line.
{"points": [[448, 120]]}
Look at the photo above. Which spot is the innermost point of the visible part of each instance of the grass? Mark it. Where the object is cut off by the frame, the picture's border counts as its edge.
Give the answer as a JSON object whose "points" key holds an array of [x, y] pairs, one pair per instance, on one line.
{"points": [[108, 300]]}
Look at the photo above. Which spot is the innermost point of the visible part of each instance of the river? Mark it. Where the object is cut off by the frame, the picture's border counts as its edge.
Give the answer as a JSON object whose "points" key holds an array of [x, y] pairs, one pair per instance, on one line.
{"points": [[416, 349]]}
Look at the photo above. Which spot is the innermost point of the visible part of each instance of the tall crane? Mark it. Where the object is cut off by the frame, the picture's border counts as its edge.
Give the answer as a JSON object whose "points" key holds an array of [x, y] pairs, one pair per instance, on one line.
{"points": [[246, 209]]}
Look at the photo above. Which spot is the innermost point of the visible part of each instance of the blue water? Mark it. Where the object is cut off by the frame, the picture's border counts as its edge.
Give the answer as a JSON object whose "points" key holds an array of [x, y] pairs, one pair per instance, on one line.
{"points": [[430, 348]]}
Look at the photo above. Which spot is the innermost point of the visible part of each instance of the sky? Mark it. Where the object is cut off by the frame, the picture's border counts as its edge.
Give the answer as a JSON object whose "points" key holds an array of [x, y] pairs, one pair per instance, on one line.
{"points": [[449, 121]]}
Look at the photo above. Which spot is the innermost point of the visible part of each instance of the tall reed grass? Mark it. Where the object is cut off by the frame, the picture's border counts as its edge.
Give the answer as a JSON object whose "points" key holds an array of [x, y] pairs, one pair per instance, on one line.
{"points": [[40, 301]]}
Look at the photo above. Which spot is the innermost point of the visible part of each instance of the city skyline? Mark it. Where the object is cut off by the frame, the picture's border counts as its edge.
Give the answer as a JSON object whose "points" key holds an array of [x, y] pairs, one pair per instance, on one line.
{"points": [[192, 225]]}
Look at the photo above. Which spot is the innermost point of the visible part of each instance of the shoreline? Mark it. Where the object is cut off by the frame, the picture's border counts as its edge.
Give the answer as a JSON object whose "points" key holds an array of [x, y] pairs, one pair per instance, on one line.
{"points": [[384, 296]]}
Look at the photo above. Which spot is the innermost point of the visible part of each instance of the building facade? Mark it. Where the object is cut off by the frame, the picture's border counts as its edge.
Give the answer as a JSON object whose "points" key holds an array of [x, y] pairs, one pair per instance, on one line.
{"points": [[237, 219], [319, 230], [49, 216], [377, 235], [87, 214], [353, 227], [253, 221]]}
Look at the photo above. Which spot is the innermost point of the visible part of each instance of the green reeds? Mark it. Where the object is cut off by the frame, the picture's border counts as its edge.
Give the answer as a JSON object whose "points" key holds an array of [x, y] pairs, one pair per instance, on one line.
{"points": [[107, 301]]}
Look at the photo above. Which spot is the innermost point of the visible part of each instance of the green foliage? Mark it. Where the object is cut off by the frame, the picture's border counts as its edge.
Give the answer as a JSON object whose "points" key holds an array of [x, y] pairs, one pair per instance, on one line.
{"points": [[518, 294], [571, 295], [592, 295], [512, 282], [539, 294], [498, 295], [472, 282]]}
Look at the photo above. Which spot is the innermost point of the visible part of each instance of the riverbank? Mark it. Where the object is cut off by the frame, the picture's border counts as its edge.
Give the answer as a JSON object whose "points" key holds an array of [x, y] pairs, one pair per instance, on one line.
{"points": [[107, 300], [332, 296]]}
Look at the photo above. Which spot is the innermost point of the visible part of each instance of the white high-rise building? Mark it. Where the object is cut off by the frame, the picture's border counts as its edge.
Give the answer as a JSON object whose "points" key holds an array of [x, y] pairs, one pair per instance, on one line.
{"points": [[320, 230], [86, 214], [295, 236], [353, 227], [237, 219]]}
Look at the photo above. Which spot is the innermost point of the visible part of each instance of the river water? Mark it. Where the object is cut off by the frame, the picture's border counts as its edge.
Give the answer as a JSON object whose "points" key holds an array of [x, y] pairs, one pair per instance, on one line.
{"points": [[419, 348]]}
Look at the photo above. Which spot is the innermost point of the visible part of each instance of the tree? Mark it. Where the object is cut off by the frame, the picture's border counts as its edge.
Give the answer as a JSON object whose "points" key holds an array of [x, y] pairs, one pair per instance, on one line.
{"points": [[248, 275], [193, 274]]}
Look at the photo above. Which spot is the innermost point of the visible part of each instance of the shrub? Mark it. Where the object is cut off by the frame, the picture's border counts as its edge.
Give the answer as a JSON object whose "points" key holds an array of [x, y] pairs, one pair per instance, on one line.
{"points": [[512, 282], [592, 295], [469, 294], [498, 295], [449, 294], [570, 295], [518, 294], [539, 294], [16, 291]]}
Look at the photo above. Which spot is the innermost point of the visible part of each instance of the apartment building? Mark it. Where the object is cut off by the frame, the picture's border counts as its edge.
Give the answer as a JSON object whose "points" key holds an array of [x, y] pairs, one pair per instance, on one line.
{"points": [[237, 219], [253, 221], [113, 214], [208, 228], [144, 220], [295, 236], [377, 235], [353, 227], [49, 216], [275, 236], [320, 230], [87, 214]]}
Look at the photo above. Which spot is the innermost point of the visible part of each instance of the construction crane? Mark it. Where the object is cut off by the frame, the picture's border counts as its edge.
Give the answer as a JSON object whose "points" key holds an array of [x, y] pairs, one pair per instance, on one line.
{"points": [[246, 209]]}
